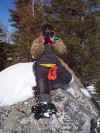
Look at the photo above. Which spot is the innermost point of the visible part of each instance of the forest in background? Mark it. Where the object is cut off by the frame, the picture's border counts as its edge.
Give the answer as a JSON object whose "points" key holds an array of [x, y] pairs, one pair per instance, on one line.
{"points": [[77, 22]]}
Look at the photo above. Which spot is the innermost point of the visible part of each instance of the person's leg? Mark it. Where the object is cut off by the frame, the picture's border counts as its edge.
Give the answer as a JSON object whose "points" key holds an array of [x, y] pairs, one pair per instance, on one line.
{"points": [[42, 84], [44, 108]]}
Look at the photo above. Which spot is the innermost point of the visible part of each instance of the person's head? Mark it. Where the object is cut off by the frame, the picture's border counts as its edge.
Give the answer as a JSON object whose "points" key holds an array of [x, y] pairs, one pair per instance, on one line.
{"points": [[48, 33]]}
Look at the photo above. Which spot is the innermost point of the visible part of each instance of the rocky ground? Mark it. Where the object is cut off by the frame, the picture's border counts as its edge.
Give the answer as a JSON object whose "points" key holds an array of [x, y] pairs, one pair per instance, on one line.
{"points": [[75, 113]]}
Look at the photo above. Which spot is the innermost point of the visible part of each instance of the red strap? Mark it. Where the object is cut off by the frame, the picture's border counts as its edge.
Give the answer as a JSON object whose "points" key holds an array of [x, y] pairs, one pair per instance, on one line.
{"points": [[52, 75]]}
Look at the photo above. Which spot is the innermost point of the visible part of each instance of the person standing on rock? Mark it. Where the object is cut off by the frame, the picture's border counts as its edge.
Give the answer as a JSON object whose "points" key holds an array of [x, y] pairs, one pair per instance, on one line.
{"points": [[48, 49]]}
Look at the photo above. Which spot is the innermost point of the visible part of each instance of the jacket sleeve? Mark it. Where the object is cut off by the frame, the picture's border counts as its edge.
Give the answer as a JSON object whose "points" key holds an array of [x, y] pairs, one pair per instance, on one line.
{"points": [[60, 48], [37, 48]]}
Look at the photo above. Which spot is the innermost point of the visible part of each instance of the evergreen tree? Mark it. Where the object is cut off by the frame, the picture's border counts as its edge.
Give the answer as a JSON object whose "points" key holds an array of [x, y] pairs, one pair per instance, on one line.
{"points": [[2, 44], [3, 33], [75, 22], [2, 57], [27, 26]]}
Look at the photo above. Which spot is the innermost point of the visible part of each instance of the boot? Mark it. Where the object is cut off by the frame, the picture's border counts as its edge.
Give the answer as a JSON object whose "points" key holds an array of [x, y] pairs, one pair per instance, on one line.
{"points": [[43, 110]]}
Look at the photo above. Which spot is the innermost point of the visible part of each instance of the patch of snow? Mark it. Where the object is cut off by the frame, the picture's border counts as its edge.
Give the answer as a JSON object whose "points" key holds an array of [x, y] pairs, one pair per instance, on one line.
{"points": [[70, 90], [16, 83], [85, 92], [91, 89]]}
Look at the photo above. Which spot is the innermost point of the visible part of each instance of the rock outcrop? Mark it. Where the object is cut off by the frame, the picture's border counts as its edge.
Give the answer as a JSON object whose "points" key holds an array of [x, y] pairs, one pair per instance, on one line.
{"points": [[75, 113]]}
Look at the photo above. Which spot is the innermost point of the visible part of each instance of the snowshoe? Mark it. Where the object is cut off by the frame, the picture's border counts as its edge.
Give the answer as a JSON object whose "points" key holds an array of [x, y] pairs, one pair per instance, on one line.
{"points": [[43, 110]]}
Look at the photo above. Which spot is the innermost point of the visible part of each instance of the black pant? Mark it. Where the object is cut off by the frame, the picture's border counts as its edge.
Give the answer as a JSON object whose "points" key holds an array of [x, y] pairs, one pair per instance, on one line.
{"points": [[44, 85]]}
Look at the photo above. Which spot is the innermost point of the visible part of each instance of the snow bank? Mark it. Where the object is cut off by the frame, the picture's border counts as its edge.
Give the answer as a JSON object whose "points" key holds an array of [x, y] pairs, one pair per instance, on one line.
{"points": [[16, 83]]}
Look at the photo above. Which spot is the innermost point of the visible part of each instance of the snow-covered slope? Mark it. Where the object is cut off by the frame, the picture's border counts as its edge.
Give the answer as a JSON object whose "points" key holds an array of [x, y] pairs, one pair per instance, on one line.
{"points": [[16, 83]]}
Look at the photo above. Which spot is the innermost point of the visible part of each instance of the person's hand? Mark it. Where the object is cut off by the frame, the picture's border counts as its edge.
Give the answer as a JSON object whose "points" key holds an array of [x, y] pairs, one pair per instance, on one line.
{"points": [[32, 56], [52, 39], [42, 38]]}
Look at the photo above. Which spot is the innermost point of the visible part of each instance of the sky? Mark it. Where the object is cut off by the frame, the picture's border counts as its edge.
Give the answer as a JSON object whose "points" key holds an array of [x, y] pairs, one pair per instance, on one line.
{"points": [[5, 5]]}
